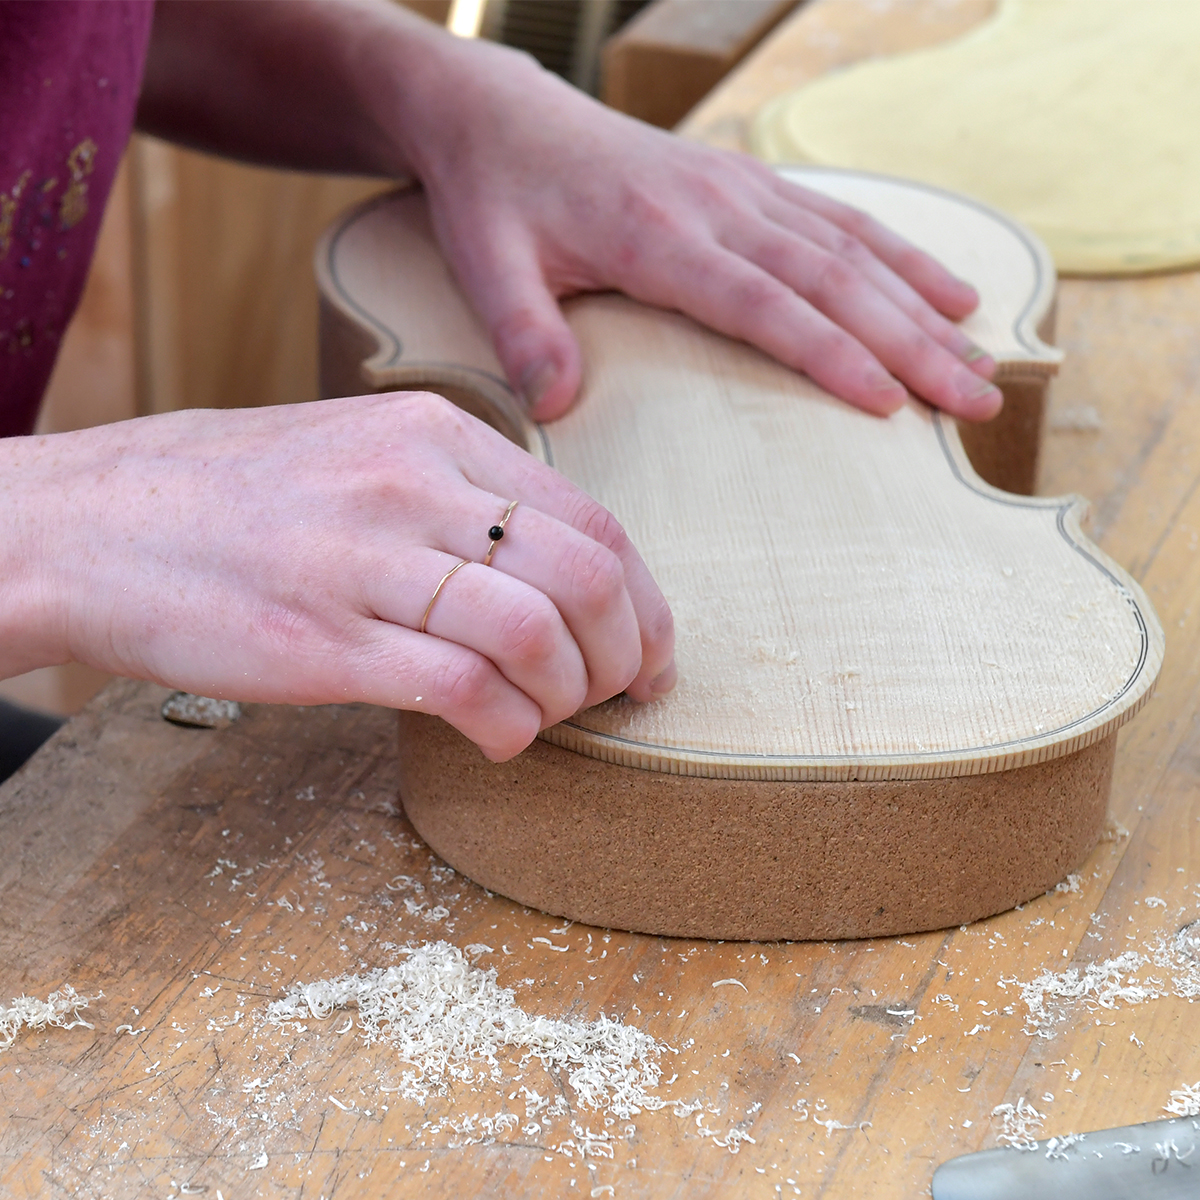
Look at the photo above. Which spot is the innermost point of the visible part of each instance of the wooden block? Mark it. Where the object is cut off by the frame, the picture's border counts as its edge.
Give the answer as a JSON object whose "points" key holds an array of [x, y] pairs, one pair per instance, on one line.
{"points": [[664, 61], [855, 607]]}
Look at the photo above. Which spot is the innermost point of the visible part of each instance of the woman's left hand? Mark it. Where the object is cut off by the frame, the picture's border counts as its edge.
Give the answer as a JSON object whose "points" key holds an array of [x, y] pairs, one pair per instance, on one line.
{"points": [[538, 192]]}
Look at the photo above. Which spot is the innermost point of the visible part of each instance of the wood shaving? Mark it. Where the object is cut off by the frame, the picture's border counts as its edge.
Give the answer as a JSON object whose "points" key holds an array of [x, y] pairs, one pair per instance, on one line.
{"points": [[1115, 982], [60, 1009], [1101, 985], [1072, 883]]}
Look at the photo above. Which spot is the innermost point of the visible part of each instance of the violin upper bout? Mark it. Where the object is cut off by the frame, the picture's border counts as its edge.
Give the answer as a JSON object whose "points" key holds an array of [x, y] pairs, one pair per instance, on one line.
{"points": [[393, 318]]}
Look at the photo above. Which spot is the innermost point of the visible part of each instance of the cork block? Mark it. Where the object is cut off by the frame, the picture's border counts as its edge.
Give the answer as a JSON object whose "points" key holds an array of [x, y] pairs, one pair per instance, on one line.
{"points": [[750, 859]]}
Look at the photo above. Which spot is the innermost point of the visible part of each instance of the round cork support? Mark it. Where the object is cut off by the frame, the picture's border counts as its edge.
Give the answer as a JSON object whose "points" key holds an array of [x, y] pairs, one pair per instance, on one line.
{"points": [[749, 859]]}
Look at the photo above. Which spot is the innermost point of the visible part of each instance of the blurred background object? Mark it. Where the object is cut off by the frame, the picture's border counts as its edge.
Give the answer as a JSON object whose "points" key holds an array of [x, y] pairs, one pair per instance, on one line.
{"points": [[565, 36], [674, 52], [202, 294]]}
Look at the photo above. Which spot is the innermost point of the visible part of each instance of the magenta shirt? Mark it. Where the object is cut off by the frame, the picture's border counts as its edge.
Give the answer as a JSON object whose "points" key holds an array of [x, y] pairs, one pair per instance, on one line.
{"points": [[69, 79]]}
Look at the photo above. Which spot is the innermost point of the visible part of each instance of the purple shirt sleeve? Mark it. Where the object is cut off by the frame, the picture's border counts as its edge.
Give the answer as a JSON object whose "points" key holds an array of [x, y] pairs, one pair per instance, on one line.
{"points": [[69, 79]]}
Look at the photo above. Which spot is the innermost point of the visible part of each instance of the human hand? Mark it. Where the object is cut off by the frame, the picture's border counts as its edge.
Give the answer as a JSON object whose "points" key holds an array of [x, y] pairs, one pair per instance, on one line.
{"points": [[288, 555], [537, 192]]}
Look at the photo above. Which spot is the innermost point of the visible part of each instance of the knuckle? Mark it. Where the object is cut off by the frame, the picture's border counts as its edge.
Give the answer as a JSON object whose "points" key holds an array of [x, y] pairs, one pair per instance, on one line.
{"points": [[596, 523], [846, 246], [921, 356], [718, 187], [833, 277], [755, 297], [649, 211], [658, 624], [910, 263], [517, 323], [530, 632], [649, 224], [830, 347], [597, 577], [435, 411], [602, 527], [466, 683], [856, 223]]}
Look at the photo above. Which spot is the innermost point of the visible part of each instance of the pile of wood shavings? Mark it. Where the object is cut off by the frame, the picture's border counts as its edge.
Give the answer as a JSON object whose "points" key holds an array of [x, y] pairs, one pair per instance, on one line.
{"points": [[1185, 1101], [60, 1009], [1102, 984], [1115, 981], [1021, 1123], [449, 1020]]}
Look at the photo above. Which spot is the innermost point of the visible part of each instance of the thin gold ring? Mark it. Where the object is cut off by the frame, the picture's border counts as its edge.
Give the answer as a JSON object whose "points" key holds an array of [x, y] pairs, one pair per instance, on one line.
{"points": [[438, 590], [497, 532]]}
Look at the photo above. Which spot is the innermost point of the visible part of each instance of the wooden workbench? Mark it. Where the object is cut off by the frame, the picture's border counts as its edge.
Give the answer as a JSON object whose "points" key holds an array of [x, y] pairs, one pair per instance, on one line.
{"points": [[193, 875]]}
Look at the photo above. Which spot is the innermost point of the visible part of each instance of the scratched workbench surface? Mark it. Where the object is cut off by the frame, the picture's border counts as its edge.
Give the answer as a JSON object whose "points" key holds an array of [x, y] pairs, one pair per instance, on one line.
{"points": [[185, 880]]}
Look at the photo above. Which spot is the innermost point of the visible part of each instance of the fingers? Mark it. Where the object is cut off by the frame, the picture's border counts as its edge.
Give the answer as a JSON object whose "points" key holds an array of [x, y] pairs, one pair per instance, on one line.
{"points": [[532, 339], [514, 626], [816, 229], [553, 542], [569, 549], [725, 291], [833, 284], [567, 611], [949, 295], [400, 668]]}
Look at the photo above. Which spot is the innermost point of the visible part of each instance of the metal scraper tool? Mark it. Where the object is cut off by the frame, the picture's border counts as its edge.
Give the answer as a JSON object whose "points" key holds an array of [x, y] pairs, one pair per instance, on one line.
{"points": [[1158, 1161]]}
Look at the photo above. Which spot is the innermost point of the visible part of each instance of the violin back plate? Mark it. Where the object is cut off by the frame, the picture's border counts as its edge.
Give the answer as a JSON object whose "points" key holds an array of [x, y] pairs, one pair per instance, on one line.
{"points": [[855, 608], [1080, 119]]}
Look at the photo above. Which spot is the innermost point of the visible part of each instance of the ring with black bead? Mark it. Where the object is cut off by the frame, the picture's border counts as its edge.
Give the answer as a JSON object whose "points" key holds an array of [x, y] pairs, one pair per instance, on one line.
{"points": [[496, 533]]}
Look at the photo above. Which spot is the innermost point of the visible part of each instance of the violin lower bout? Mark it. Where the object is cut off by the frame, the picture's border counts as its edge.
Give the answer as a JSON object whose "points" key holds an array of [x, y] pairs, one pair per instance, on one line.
{"points": [[681, 856]]}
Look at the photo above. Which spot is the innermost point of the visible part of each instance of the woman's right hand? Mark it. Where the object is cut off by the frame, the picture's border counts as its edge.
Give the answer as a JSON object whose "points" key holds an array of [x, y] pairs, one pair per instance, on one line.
{"points": [[288, 555]]}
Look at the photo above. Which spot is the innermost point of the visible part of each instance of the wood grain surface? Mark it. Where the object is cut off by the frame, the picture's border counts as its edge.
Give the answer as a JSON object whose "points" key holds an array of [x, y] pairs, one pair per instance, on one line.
{"points": [[851, 601], [114, 834]]}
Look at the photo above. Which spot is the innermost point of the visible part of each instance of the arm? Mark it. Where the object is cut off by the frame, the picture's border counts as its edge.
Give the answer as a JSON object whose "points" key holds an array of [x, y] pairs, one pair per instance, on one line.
{"points": [[289, 555], [537, 192]]}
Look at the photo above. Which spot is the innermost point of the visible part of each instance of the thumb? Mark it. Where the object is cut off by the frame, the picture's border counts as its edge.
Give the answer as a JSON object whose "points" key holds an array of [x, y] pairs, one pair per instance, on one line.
{"points": [[531, 337]]}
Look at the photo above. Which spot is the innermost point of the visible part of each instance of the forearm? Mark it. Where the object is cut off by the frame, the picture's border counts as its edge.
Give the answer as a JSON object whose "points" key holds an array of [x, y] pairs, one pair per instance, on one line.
{"points": [[356, 86]]}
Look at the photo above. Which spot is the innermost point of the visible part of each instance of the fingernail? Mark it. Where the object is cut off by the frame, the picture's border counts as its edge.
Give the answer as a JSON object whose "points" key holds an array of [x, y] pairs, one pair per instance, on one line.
{"points": [[980, 361], [893, 395], [536, 380], [661, 684], [986, 395]]}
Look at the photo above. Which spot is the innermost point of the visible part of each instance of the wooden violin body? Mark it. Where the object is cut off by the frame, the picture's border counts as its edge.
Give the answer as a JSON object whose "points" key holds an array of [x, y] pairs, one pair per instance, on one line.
{"points": [[899, 686]]}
